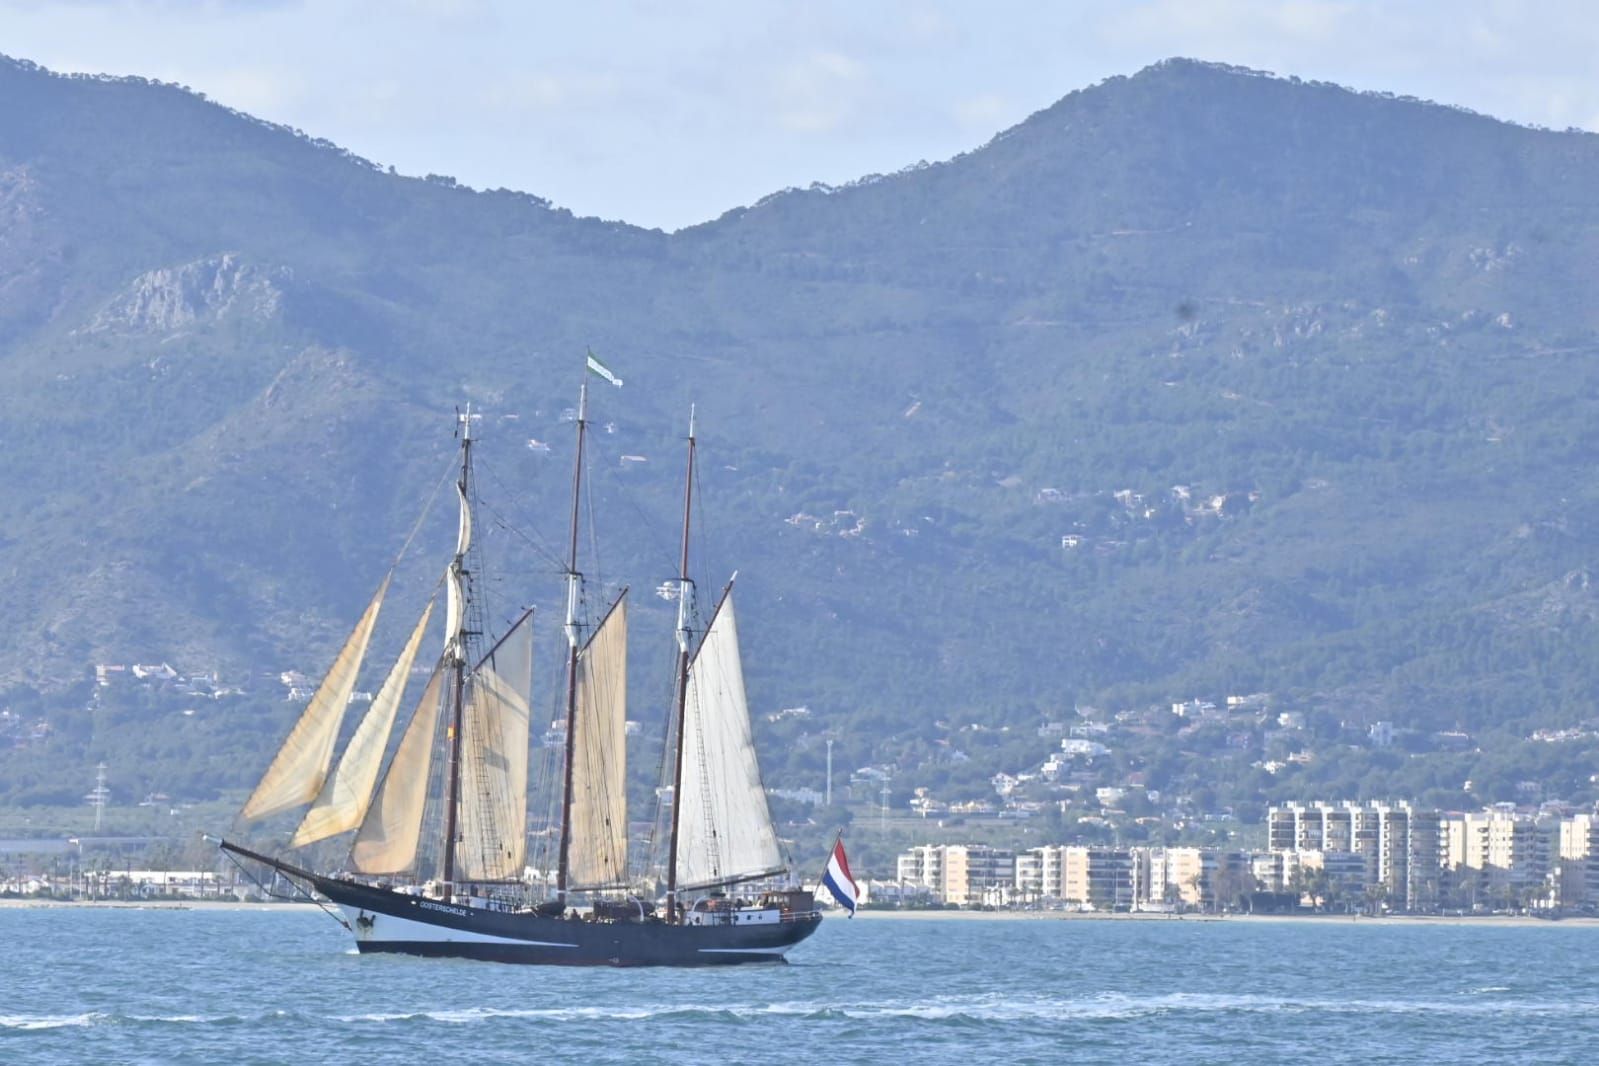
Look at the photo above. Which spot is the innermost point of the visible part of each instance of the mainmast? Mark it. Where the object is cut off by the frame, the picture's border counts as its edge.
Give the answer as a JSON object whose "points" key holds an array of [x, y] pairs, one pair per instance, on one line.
{"points": [[685, 589], [455, 651], [573, 579]]}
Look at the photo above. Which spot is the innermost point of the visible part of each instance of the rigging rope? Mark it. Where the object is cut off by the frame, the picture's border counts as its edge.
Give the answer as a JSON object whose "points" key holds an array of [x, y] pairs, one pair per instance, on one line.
{"points": [[416, 527], [277, 895]]}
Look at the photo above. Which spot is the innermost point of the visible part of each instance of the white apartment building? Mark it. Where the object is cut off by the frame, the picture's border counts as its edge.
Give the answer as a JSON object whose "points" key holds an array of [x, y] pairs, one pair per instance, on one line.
{"points": [[1399, 845]]}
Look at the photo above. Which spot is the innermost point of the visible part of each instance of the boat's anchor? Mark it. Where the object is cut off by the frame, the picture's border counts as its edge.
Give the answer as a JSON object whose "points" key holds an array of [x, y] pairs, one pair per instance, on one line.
{"points": [[365, 921]]}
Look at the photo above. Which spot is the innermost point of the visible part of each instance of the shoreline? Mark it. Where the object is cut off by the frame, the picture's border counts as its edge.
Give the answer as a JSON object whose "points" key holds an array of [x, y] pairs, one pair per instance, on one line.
{"points": [[1483, 921], [156, 905], [1480, 921]]}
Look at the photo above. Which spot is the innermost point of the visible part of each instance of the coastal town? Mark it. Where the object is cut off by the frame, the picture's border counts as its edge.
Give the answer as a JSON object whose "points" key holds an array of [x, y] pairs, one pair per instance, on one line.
{"points": [[1080, 826], [1345, 857], [1322, 857]]}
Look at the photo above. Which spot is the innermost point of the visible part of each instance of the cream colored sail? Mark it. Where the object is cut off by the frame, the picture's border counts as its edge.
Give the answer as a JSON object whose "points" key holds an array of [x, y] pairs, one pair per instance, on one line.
{"points": [[494, 753], [388, 836], [344, 798], [597, 856], [301, 766], [725, 830]]}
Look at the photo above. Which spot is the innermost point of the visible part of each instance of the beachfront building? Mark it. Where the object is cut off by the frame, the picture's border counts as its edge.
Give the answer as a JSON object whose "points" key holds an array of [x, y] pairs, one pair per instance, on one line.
{"points": [[1192, 873], [1406, 868], [1097, 877], [1152, 888], [1578, 868], [1399, 846], [1317, 826], [1207, 878], [1029, 886], [922, 866], [1496, 857], [1138, 878], [960, 874]]}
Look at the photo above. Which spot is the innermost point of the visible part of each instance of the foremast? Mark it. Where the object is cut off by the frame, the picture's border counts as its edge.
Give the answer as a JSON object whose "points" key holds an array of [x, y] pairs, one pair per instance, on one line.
{"points": [[455, 652], [685, 591]]}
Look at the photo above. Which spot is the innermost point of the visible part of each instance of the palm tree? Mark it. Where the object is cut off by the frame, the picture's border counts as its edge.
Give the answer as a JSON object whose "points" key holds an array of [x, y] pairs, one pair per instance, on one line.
{"points": [[1375, 895], [1318, 886]]}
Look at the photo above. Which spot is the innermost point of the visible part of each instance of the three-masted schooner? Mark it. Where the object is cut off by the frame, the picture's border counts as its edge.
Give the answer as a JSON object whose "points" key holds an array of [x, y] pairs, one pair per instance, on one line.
{"points": [[436, 864]]}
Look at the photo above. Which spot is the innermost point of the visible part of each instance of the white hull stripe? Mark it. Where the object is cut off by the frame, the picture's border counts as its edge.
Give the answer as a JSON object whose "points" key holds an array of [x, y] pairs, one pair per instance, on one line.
{"points": [[387, 928], [746, 951]]}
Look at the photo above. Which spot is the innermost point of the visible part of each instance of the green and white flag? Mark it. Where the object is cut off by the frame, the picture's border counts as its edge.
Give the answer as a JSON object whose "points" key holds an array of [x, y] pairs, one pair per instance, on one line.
{"points": [[603, 371]]}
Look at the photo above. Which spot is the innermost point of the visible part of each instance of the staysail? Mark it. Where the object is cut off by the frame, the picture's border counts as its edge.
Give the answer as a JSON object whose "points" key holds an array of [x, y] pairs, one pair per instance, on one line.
{"points": [[725, 827], [301, 766], [343, 801], [598, 850], [494, 755], [386, 843]]}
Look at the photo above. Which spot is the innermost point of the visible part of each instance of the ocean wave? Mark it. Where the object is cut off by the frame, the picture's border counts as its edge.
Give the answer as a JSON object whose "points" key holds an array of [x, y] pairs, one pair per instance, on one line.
{"points": [[47, 1021], [985, 1009], [557, 1014], [990, 1009], [99, 1019], [1116, 1007]]}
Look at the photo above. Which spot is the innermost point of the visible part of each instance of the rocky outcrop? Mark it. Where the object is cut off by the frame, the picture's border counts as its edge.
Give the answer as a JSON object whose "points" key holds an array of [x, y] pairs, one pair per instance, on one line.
{"points": [[175, 299]]}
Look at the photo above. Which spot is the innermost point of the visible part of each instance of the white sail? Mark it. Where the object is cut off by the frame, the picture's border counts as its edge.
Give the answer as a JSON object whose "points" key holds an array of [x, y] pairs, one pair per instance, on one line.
{"points": [[494, 754], [388, 836], [463, 535], [344, 798], [301, 765], [454, 585], [725, 830], [597, 856], [454, 600]]}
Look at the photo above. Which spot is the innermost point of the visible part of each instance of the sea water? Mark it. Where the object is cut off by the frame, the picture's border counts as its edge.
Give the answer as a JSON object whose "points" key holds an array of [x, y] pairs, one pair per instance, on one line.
{"points": [[266, 985]]}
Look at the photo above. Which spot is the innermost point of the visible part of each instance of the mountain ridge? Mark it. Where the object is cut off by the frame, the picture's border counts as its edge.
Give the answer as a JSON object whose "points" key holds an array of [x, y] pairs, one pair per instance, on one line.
{"points": [[1009, 386]]}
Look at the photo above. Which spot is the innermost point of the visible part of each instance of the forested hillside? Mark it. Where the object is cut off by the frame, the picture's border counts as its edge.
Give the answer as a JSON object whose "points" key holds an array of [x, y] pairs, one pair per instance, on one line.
{"points": [[1197, 383]]}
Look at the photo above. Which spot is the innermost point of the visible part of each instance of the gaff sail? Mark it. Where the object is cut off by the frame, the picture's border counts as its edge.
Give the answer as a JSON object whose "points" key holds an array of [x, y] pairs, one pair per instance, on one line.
{"points": [[494, 758], [725, 830], [598, 852]]}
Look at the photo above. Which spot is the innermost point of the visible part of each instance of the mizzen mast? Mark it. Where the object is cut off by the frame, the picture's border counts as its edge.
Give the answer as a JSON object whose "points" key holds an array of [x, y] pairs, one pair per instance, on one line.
{"points": [[685, 591], [455, 650], [573, 581]]}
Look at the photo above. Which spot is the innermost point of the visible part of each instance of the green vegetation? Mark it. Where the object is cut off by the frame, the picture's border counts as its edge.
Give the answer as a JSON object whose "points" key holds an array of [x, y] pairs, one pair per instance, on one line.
{"points": [[1197, 383]]}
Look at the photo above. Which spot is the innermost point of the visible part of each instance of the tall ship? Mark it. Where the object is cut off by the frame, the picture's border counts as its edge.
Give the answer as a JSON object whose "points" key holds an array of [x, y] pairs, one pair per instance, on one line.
{"points": [[437, 861]]}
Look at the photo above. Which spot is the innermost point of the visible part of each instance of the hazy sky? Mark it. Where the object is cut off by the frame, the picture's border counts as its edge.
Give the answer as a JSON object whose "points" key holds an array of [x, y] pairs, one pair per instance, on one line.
{"points": [[669, 113]]}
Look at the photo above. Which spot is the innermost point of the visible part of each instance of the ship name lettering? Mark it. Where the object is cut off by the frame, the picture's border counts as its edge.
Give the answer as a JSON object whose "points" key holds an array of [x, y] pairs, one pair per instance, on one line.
{"points": [[458, 911]]}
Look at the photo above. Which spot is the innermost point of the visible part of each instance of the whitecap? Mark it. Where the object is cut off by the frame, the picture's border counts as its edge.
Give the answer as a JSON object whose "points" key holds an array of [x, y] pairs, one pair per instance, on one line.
{"points": [[479, 1014], [47, 1021]]}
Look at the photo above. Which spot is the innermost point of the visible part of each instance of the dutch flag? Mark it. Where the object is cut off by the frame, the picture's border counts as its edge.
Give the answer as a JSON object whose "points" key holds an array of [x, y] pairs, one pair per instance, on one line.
{"points": [[838, 881]]}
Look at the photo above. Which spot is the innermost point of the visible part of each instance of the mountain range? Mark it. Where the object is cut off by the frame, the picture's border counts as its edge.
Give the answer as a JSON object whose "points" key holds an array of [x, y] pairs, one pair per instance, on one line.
{"points": [[1198, 382]]}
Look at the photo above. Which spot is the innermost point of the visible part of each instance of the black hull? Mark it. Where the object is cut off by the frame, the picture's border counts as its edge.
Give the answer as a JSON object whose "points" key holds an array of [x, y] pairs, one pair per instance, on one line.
{"points": [[386, 921]]}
